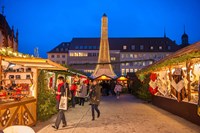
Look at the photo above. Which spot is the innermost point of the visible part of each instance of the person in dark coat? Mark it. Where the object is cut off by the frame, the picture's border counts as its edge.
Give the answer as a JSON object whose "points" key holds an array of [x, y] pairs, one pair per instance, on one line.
{"points": [[60, 92], [95, 92]]}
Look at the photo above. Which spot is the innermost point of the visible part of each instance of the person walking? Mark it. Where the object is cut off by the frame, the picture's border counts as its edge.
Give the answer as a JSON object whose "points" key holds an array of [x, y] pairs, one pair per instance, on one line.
{"points": [[94, 93], [73, 89], [118, 89], [61, 91], [83, 93]]}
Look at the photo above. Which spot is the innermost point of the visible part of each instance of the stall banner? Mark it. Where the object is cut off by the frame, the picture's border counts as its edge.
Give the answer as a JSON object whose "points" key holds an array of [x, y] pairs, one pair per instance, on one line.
{"points": [[153, 88]]}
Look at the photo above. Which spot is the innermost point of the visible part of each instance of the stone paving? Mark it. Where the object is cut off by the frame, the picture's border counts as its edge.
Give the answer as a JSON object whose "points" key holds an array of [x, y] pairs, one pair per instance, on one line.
{"points": [[126, 115]]}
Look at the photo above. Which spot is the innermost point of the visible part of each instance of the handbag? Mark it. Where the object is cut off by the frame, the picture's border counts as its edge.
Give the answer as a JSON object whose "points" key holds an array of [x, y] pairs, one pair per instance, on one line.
{"points": [[63, 103]]}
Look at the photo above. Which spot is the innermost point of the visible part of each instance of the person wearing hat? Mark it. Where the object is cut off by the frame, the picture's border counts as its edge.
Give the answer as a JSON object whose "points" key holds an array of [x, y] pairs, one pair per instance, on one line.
{"points": [[94, 93]]}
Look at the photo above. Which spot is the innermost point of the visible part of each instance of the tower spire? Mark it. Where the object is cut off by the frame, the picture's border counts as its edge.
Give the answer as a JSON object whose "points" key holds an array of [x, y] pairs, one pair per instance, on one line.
{"points": [[104, 67], [164, 32]]}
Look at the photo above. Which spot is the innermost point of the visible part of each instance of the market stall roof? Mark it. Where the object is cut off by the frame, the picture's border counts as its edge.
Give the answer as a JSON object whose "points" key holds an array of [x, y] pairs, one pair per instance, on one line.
{"points": [[122, 78], [182, 55], [103, 77], [38, 63]]}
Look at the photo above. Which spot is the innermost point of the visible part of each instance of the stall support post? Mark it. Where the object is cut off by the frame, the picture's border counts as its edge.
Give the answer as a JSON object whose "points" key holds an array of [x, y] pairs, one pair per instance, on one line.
{"points": [[188, 66]]}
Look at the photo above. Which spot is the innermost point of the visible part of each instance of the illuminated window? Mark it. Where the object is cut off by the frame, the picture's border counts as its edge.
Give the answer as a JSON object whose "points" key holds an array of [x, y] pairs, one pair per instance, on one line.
{"points": [[127, 64], [127, 70], [135, 70], [123, 71], [113, 59], [150, 62], [160, 47], [143, 64], [133, 47], [135, 55], [131, 55], [122, 56], [131, 70], [123, 64], [151, 47], [124, 47]]}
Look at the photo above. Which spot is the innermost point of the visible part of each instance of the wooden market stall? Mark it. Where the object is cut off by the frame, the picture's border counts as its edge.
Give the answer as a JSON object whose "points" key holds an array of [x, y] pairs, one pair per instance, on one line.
{"points": [[18, 96], [174, 82]]}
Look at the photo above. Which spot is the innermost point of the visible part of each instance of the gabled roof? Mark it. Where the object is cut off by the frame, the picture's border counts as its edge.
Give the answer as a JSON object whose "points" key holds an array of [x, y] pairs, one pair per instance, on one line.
{"points": [[61, 48]]}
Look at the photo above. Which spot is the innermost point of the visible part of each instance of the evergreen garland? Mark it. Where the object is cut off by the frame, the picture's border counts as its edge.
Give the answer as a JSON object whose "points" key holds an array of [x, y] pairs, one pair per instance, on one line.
{"points": [[46, 98]]}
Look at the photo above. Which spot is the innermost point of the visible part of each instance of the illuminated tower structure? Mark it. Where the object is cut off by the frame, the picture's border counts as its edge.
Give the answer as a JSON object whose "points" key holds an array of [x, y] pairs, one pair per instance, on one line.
{"points": [[104, 53]]}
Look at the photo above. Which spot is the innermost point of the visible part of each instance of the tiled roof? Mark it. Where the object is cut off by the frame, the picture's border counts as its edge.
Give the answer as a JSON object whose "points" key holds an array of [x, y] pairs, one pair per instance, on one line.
{"points": [[61, 48], [118, 43], [3, 22]]}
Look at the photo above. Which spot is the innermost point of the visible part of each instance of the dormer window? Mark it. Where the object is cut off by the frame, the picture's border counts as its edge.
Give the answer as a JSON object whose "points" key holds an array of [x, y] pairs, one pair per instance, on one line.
{"points": [[57, 49], [169, 47], [141, 47], [124, 47], [133, 47]]}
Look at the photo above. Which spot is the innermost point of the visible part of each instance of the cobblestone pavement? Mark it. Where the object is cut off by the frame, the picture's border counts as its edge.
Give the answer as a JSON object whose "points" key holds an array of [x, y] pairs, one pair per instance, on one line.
{"points": [[126, 115]]}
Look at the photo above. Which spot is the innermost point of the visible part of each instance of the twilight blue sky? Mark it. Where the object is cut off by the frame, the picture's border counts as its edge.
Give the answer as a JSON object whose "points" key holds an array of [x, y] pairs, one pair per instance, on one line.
{"points": [[46, 23]]}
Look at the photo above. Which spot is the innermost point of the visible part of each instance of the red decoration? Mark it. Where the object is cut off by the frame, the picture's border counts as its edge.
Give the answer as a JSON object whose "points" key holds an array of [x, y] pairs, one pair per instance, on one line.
{"points": [[153, 76], [153, 91]]}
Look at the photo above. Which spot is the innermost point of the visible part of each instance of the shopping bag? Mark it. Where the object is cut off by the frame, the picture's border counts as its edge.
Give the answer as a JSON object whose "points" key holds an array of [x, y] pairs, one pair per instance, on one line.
{"points": [[63, 103]]}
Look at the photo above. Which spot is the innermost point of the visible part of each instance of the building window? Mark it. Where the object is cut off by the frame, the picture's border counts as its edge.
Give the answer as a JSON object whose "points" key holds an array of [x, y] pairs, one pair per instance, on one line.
{"points": [[81, 47], [57, 49], [58, 56], [61, 49], [151, 47], [135, 69], [123, 71], [66, 49], [63, 62], [131, 55], [76, 47], [127, 70], [133, 47], [122, 56], [123, 64], [135, 55], [63, 56], [143, 64], [160, 47], [141, 47], [127, 55], [169, 47], [150, 62], [90, 47], [127, 64], [85, 47], [124, 47], [94, 47], [113, 59], [131, 70], [52, 56]]}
